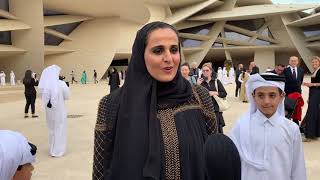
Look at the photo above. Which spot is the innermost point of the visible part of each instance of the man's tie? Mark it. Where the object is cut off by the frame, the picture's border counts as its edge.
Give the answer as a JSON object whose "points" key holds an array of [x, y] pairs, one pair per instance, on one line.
{"points": [[294, 74]]}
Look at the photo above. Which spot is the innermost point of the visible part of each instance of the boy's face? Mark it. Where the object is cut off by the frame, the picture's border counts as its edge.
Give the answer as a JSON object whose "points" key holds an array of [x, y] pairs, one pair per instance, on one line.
{"points": [[267, 99]]}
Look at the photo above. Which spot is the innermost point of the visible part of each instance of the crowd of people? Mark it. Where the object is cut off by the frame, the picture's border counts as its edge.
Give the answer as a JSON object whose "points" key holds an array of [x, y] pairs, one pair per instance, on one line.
{"points": [[166, 120]]}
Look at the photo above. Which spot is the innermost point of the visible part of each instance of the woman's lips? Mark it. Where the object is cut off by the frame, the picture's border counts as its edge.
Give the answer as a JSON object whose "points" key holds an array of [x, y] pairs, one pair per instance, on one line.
{"points": [[167, 69]]}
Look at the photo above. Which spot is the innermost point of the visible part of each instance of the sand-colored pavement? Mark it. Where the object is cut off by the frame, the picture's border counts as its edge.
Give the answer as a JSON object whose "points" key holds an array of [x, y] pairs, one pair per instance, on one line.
{"points": [[77, 163]]}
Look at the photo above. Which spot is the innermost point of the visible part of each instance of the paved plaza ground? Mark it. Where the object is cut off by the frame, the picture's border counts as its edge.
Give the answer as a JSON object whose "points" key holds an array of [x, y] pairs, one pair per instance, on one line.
{"points": [[77, 163]]}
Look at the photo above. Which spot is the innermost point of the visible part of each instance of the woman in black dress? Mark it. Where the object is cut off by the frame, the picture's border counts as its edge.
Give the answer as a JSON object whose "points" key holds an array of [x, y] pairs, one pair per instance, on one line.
{"points": [[210, 81], [30, 81], [155, 126], [312, 118], [114, 80]]}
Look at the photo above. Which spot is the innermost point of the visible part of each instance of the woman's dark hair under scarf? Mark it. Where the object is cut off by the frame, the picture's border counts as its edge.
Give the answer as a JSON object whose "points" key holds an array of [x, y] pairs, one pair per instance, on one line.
{"points": [[137, 143]]}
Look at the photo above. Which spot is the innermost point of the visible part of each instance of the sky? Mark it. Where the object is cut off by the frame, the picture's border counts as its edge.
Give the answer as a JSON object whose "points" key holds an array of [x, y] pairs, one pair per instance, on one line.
{"points": [[295, 1]]}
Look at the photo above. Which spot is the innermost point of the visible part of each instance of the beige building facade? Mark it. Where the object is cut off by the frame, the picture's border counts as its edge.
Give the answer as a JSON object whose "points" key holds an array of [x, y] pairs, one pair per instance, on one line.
{"points": [[86, 35]]}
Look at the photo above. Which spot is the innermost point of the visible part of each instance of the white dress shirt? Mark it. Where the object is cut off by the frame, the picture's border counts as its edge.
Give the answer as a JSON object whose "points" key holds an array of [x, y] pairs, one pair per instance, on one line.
{"points": [[273, 151], [296, 69]]}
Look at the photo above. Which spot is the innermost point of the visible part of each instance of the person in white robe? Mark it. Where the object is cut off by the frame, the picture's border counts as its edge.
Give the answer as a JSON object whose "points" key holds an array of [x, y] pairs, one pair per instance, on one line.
{"points": [[269, 145], [16, 156], [231, 76], [54, 93], [12, 79], [225, 78], [2, 78], [220, 74]]}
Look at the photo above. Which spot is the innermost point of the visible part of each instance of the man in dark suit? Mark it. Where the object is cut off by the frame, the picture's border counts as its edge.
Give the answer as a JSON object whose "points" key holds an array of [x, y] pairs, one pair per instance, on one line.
{"points": [[238, 83], [294, 76], [254, 68]]}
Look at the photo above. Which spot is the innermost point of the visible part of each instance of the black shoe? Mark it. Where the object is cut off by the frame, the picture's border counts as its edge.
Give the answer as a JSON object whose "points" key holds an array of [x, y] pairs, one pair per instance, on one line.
{"points": [[34, 116], [26, 116]]}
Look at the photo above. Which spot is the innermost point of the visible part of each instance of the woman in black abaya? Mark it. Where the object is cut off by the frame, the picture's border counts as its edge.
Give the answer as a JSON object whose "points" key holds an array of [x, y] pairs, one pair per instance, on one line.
{"points": [[155, 126]]}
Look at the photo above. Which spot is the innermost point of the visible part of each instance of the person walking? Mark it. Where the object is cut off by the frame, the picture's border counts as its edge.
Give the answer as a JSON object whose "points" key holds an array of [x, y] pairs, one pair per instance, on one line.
{"points": [[95, 76], [84, 78], [73, 79], [238, 83], [54, 93], [30, 81]]}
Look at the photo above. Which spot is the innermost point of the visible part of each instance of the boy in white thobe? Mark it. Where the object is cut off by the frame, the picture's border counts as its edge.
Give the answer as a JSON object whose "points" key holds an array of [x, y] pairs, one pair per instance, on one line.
{"points": [[54, 93], [270, 145]]}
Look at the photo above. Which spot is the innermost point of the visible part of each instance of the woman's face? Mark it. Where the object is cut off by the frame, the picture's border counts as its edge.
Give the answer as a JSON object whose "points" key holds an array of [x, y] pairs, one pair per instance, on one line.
{"points": [[185, 71], [162, 56], [206, 71], [315, 63]]}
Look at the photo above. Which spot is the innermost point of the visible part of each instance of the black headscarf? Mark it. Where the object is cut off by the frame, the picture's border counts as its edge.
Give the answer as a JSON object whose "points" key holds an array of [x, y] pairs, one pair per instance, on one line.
{"points": [[137, 145], [222, 158]]}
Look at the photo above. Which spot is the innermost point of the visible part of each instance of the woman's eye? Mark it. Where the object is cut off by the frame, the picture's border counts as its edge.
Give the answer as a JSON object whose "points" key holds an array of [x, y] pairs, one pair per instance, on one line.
{"points": [[174, 50], [157, 51]]}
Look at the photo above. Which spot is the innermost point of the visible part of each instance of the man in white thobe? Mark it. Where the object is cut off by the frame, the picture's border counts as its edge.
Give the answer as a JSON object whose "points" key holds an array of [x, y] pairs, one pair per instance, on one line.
{"points": [[54, 93], [225, 78], [269, 145], [231, 75], [2, 78], [220, 74], [12, 78]]}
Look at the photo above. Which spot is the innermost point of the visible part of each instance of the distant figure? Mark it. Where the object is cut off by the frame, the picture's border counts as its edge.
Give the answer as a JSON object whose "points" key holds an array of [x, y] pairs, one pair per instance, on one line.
{"points": [[84, 78], [254, 69], [73, 77], [30, 81], [243, 78], [231, 75], [220, 74], [238, 83], [3, 78], [185, 72], [114, 80], [95, 76], [12, 79], [194, 71], [16, 156], [54, 93], [225, 79]]}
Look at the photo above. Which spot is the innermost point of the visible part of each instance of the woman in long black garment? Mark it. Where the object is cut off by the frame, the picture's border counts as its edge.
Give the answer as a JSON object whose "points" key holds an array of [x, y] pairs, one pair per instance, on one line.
{"points": [[210, 83], [312, 118], [30, 81], [155, 126], [114, 80]]}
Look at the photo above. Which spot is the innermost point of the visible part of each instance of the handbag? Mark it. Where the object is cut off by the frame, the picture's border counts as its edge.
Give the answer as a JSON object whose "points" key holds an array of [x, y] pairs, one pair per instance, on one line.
{"points": [[222, 102]]}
